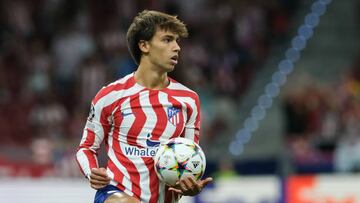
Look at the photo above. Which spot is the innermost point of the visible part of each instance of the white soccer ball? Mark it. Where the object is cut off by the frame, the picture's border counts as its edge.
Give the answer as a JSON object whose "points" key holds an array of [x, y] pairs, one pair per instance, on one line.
{"points": [[179, 157]]}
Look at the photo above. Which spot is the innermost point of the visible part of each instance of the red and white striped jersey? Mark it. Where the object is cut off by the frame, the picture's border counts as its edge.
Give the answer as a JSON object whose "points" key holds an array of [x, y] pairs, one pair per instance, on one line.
{"points": [[132, 120]]}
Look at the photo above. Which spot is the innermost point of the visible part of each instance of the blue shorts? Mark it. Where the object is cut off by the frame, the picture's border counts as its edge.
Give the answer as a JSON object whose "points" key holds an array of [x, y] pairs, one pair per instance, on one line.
{"points": [[104, 193]]}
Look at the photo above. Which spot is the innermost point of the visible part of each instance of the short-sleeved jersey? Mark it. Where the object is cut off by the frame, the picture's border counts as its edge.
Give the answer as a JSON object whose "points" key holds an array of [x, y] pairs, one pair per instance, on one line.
{"points": [[133, 120]]}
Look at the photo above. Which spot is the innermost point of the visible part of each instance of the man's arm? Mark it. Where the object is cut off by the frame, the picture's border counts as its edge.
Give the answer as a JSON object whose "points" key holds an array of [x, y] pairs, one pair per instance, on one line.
{"points": [[189, 186], [96, 128]]}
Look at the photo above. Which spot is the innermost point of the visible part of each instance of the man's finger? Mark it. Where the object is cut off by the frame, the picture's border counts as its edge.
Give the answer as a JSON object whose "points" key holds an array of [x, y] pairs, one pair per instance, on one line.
{"points": [[99, 171], [206, 181], [182, 185], [102, 169], [187, 182], [175, 190], [97, 186], [99, 177], [196, 184], [99, 182]]}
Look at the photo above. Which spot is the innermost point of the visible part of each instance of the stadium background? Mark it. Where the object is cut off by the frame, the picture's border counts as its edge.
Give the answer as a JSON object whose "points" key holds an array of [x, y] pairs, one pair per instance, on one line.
{"points": [[56, 54]]}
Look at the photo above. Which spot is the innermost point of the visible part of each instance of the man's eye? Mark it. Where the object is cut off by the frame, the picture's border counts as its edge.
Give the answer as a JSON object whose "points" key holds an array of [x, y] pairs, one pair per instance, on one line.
{"points": [[167, 40]]}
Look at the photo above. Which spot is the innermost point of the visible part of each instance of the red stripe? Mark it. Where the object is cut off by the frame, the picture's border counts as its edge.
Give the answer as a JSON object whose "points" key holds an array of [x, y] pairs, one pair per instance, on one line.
{"points": [[90, 135], [130, 167], [78, 163], [90, 139], [139, 121], [113, 87], [187, 93], [91, 157], [196, 125], [189, 112], [121, 187], [118, 176], [105, 113], [168, 195], [154, 181], [182, 93], [161, 116]]}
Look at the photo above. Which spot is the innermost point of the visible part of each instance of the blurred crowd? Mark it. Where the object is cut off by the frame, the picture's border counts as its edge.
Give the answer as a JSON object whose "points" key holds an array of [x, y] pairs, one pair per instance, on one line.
{"points": [[322, 124], [56, 54]]}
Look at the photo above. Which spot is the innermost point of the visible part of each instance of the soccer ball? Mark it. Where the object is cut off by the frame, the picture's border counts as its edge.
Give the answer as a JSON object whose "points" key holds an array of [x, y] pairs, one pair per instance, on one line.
{"points": [[177, 158]]}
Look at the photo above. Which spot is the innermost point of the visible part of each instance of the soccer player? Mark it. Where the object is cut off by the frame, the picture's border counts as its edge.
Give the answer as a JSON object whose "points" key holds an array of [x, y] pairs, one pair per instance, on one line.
{"points": [[137, 112]]}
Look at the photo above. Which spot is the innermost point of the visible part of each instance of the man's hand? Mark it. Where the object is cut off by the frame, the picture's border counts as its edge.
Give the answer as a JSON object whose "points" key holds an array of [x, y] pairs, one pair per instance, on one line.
{"points": [[99, 178], [189, 187]]}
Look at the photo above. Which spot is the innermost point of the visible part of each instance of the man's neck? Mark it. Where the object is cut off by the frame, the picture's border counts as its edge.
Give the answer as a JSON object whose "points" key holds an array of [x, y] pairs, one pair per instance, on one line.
{"points": [[149, 78]]}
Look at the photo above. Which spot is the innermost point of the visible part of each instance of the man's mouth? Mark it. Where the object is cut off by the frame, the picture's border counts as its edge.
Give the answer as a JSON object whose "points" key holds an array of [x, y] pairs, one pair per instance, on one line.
{"points": [[174, 59]]}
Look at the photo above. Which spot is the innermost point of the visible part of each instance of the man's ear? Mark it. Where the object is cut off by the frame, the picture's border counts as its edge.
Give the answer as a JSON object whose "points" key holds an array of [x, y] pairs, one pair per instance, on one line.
{"points": [[144, 46]]}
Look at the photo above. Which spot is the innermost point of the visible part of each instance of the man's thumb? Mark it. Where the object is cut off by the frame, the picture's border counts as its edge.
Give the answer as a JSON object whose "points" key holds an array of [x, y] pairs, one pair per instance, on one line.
{"points": [[103, 169]]}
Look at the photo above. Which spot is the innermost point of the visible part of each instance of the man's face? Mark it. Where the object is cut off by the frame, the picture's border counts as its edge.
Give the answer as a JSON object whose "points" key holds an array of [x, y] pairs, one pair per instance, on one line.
{"points": [[163, 50]]}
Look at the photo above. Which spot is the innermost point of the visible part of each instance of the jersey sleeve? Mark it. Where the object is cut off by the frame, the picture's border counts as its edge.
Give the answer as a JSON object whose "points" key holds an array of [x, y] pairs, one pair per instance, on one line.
{"points": [[95, 130], [192, 126]]}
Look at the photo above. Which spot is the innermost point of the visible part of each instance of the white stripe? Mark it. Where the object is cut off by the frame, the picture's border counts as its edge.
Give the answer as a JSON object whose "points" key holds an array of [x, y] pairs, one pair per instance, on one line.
{"points": [[169, 130], [162, 192], [97, 128], [144, 180], [179, 86], [127, 121], [191, 102], [114, 183], [117, 94], [173, 119], [98, 131], [122, 80], [83, 161], [150, 118], [178, 117], [190, 125], [189, 133], [126, 181], [113, 112], [187, 100], [141, 168], [107, 100], [149, 125]]}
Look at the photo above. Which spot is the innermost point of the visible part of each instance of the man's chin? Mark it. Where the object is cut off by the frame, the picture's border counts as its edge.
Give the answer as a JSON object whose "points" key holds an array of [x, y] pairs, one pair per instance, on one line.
{"points": [[169, 68]]}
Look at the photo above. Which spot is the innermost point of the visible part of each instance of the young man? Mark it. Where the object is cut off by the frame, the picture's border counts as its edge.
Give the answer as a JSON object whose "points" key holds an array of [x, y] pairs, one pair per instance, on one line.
{"points": [[134, 113]]}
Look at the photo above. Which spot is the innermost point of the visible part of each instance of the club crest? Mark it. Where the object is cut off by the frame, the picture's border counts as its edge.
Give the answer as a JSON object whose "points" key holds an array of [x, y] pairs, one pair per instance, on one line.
{"points": [[173, 115]]}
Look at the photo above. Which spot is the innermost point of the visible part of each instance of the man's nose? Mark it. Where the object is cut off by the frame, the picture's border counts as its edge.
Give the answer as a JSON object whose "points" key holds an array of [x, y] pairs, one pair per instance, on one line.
{"points": [[177, 47]]}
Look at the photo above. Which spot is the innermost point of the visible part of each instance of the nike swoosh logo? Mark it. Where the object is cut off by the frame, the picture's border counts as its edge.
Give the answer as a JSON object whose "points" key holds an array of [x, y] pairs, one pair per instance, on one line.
{"points": [[125, 114], [112, 191], [151, 143]]}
